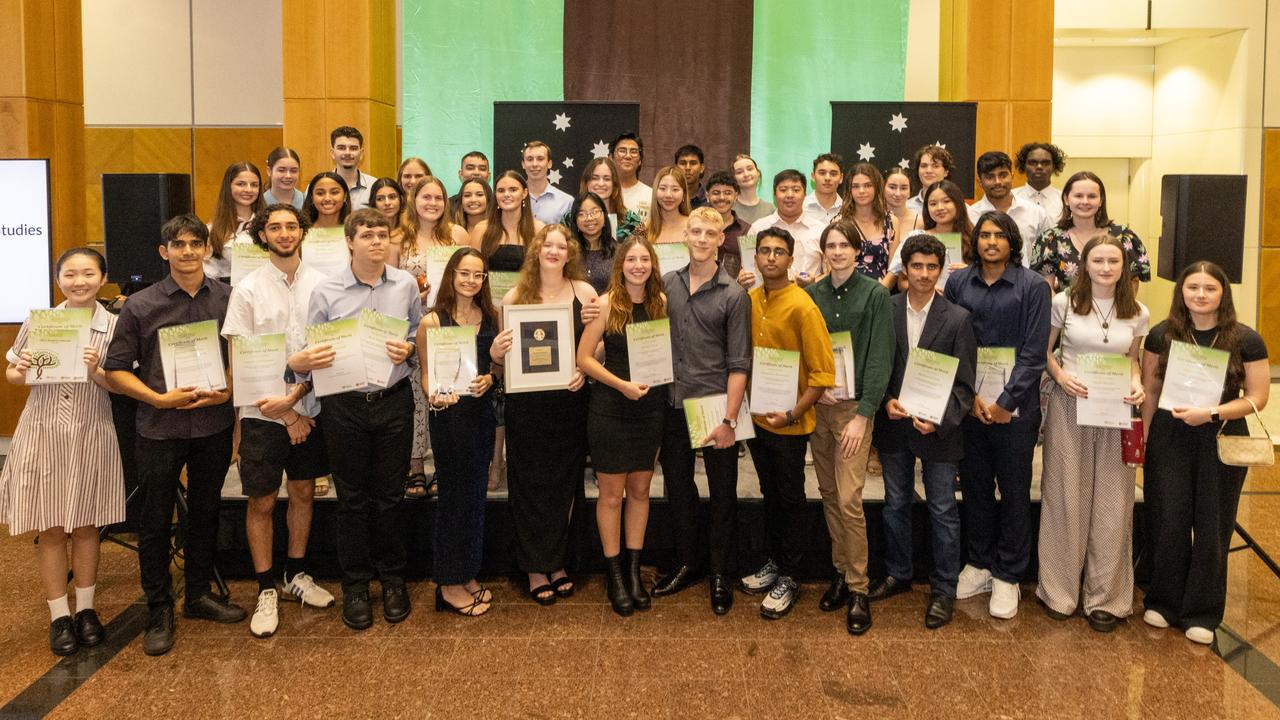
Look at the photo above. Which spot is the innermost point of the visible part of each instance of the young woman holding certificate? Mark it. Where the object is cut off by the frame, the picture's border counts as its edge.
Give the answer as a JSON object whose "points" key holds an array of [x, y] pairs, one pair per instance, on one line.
{"points": [[944, 215], [1086, 508], [625, 419], [1191, 496], [462, 426], [62, 477], [239, 199], [671, 206], [547, 464]]}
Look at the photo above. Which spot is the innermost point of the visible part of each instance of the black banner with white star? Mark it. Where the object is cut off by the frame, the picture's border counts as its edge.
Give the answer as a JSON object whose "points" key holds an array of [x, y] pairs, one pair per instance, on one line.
{"points": [[886, 134], [576, 132]]}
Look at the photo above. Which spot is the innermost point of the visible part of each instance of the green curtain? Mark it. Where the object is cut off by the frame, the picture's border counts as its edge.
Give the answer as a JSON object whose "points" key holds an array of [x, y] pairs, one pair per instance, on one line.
{"points": [[807, 54]]}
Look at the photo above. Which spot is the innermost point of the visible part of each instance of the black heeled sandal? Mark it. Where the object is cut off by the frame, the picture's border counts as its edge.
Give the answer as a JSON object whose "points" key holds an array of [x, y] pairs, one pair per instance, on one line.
{"points": [[471, 610]]}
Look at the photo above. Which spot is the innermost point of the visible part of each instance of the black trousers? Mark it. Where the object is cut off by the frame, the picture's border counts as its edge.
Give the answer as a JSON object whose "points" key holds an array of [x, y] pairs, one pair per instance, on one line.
{"points": [[677, 459], [369, 444], [779, 462], [159, 470], [998, 534], [1191, 500]]}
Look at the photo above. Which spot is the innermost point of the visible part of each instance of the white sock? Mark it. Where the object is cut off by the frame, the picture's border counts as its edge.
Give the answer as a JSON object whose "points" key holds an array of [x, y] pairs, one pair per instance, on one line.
{"points": [[84, 597], [58, 608]]}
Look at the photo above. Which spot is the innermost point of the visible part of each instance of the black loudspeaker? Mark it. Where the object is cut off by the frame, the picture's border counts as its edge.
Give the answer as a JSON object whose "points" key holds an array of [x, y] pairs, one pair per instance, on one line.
{"points": [[134, 206], [1203, 220]]}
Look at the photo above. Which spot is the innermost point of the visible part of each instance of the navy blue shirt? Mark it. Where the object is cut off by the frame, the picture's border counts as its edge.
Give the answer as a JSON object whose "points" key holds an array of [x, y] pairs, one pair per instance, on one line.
{"points": [[1014, 311]]}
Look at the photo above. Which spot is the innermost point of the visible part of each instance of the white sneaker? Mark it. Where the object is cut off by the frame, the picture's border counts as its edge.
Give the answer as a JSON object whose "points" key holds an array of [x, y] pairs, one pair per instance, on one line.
{"points": [[265, 618], [302, 588], [1203, 636], [761, 580], [1154, 619], [972, 581], [1004, 599], [780, 599]]}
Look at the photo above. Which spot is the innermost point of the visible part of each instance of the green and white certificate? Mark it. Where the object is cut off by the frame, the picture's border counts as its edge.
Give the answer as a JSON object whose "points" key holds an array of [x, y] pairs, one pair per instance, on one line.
{"points": [[56, 340], [1107, 376], [672, 256], [1194, 377], [437, 257], [842, 348], [347, 371], [704, 414], [245, 258], [500, 283], [747, 249], [325, 250], [955, 247], [927, 383], [257, 367], [451, 359], [649, 352], [192, 356], [775, 380], [375, 330], [995, 365]]}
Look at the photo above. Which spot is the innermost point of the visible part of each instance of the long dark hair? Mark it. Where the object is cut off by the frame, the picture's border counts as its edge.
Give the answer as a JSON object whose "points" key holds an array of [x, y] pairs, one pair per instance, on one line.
{"points": [[879, 208], [961, 223], [1179, 325], [446, 297], [386, 182], [607, 242], [1081, 291], [494, 231], [225, 222], [309, 205]]}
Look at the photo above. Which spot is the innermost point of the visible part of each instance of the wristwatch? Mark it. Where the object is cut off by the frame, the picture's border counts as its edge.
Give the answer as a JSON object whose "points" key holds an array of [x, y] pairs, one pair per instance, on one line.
{"points": [[1214, 416], [733, 424], [791, 419]]}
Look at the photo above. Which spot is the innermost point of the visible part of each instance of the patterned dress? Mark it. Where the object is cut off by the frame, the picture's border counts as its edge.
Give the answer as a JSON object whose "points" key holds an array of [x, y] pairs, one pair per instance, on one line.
{"points": [[1054, 255], [63, 468], [873, 261]]}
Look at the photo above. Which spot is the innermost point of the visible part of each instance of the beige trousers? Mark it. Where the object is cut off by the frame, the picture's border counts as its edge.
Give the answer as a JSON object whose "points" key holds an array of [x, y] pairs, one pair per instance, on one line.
{"points": [[840, 481]]}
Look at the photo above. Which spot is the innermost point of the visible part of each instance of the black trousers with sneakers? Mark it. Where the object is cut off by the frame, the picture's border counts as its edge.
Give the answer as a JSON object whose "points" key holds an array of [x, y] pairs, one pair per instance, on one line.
{"points": [[779, 462]]}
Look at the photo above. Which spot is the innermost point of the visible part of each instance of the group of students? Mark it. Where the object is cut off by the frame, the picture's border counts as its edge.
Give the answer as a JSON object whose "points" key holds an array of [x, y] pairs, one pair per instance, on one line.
{"points": [[1042, 277]]}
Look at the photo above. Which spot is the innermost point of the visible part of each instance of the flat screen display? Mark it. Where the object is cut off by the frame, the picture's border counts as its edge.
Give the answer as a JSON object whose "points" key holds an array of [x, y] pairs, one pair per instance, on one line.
{"points": [[25, 244]]}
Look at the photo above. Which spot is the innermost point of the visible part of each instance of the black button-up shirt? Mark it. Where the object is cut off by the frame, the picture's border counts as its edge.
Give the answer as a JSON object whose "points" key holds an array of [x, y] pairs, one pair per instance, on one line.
{"points": [[710, 333], [137, 340]]}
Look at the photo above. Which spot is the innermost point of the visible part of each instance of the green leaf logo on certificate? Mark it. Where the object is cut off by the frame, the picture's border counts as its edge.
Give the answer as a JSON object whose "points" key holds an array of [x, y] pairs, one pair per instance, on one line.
{"points": [[347, 371], [257, 367], [704, 414], [1194, 377], [245, 258], [192, 356], [926, 384], [451, 359], [375, 330], [842, 349], [325, 250], [56, 339], [1107, 375], [500, 283], [775, 380], [437, 257], [672, 256], [995, 365], [649, 352]]}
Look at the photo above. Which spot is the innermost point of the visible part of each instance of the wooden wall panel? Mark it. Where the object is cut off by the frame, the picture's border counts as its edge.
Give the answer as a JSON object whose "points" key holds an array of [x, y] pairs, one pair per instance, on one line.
{"points": [[1269, 300], [12, 397], [123, 150], [1271, 188], [11, 83], [305, 48], [216, 148], [989, 38], [1031, 50]]}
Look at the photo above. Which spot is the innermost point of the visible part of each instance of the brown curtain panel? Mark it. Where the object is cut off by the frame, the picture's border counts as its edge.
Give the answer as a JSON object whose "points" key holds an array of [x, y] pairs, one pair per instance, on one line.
{"points": [[688, 64]]}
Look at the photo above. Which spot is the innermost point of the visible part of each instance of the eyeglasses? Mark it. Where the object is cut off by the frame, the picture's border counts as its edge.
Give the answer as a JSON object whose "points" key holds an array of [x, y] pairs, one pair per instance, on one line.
{"points": [[589, 214], [627, 152], [469, 275], [775, 252]]}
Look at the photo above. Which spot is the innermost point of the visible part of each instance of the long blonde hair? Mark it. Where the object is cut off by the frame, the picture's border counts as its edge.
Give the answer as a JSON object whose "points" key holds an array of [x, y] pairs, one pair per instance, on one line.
{"points": [[443, 231], [655, 304], [529, 287], [654, 230]]}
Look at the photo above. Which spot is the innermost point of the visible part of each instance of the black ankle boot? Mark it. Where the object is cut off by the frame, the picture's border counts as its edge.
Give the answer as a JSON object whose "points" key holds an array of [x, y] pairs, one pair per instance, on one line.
{"points": [[639, 596], [616, 587]]}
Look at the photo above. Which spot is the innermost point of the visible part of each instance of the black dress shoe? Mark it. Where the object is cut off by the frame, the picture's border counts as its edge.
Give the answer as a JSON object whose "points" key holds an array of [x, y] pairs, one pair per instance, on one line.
{"points": [[939, 611], [858, 620], [211, 607], [89, 628], [1103, 621], [395, 602], [158, 638], [1053, 614], [721, 594], [836, 596], [674, 581], [62, 637], [887, 588], [357, 613]]}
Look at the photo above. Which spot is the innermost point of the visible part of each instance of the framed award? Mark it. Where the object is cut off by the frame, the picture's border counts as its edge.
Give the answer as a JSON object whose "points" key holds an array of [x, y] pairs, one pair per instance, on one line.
{"points": [[542, 347]]}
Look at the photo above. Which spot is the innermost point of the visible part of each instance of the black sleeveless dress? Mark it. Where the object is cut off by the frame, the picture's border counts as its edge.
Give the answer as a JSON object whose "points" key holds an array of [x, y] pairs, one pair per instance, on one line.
{"points": [[546, 460], [462, 445], [625, 434], [506, 258]]}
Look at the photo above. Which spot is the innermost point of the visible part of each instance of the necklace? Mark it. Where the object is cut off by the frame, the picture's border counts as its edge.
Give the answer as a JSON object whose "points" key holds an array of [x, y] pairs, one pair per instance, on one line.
{"points": [[1106, 320], [1211, 342]]}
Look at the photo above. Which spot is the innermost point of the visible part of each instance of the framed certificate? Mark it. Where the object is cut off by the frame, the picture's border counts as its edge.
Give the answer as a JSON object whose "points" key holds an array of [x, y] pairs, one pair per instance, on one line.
{"points": [[542, 347]]}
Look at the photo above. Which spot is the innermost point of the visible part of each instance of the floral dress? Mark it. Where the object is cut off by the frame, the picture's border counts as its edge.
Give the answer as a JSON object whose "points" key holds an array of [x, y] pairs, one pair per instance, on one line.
{"points": [[873, 261], [1054, 255]]}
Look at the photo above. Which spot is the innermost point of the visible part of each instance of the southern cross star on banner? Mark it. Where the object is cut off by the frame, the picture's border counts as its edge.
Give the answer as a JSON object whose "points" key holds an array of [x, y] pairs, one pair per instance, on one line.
{"points": [[561, 122]]}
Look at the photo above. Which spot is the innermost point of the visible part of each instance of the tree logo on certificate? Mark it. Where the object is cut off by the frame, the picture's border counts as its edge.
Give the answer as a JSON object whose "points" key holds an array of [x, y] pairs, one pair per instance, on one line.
{"points": [[539, 344], [41, 359]]}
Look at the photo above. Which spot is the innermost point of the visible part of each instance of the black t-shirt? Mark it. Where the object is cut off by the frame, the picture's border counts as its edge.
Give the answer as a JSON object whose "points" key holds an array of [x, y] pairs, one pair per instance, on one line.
{"points": [[1250, 348]]}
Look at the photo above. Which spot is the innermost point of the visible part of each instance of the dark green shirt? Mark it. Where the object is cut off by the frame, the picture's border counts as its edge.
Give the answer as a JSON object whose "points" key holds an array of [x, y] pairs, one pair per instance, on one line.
{"points": [[861, 306]]}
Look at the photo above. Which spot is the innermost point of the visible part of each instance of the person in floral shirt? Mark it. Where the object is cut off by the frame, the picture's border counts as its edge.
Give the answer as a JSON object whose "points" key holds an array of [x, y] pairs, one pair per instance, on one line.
{"points": [[1056, 254]]}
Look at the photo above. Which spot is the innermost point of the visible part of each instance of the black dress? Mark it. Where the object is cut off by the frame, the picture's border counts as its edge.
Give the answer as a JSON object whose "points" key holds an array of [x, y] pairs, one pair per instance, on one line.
{"points": [[546, 459], [462, 442], [506, 258], [625, 434]]}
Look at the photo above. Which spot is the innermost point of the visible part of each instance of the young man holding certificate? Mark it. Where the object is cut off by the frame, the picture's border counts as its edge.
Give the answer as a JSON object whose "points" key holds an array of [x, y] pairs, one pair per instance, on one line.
{"points": [[1009, 306], [368, 429], [856, 310], [929, 394], [278, 431], [792, 366], [179, 424]]}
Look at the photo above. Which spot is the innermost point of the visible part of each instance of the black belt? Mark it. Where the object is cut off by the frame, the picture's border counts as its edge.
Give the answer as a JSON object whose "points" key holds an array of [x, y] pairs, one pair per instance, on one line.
{"points": [[377, 395]]}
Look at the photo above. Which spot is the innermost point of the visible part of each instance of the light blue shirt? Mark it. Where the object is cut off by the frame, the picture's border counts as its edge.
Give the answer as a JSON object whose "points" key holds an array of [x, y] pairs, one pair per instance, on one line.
{"points": [[552, 205], [342, 296], [298, 198]]}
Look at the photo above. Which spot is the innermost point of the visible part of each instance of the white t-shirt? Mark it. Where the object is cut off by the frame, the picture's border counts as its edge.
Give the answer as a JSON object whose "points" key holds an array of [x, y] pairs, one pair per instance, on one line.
{"points": [[1085, 334], [637, 199]]}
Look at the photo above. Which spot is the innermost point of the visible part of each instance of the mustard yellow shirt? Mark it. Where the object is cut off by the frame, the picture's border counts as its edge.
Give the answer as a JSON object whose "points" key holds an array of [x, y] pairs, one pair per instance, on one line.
{"points": [[788, 319]]}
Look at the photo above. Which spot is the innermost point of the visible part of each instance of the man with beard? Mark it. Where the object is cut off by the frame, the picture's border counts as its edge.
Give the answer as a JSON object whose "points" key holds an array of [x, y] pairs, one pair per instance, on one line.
{"points": [[995, 174]]}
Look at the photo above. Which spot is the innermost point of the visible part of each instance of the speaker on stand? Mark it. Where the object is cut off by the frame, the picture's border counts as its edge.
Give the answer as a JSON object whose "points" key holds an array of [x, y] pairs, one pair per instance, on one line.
{"points": [[1203, 219], [134, 207]]}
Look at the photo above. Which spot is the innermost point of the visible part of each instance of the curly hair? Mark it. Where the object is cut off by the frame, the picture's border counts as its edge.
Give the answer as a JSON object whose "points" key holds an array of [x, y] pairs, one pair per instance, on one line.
{"points": [[1055, 152]]}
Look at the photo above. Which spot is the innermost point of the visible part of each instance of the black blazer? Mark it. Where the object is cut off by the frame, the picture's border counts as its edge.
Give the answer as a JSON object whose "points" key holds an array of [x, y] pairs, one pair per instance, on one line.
{"points": [[947, 330]]}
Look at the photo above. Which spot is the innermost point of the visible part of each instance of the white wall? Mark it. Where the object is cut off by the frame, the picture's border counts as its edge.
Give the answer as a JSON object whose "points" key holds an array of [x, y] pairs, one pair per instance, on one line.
{"points": [[1100, 14], [923, 31], [1102, 100]]}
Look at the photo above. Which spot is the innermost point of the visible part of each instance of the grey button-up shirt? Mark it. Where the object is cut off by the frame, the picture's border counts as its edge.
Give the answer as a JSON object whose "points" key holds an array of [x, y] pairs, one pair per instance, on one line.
{"points": [[710, 333]]}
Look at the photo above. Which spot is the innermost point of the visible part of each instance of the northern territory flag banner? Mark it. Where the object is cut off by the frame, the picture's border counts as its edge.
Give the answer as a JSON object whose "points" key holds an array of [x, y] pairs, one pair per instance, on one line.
{"points": [[886, 134], [576, 132]]}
